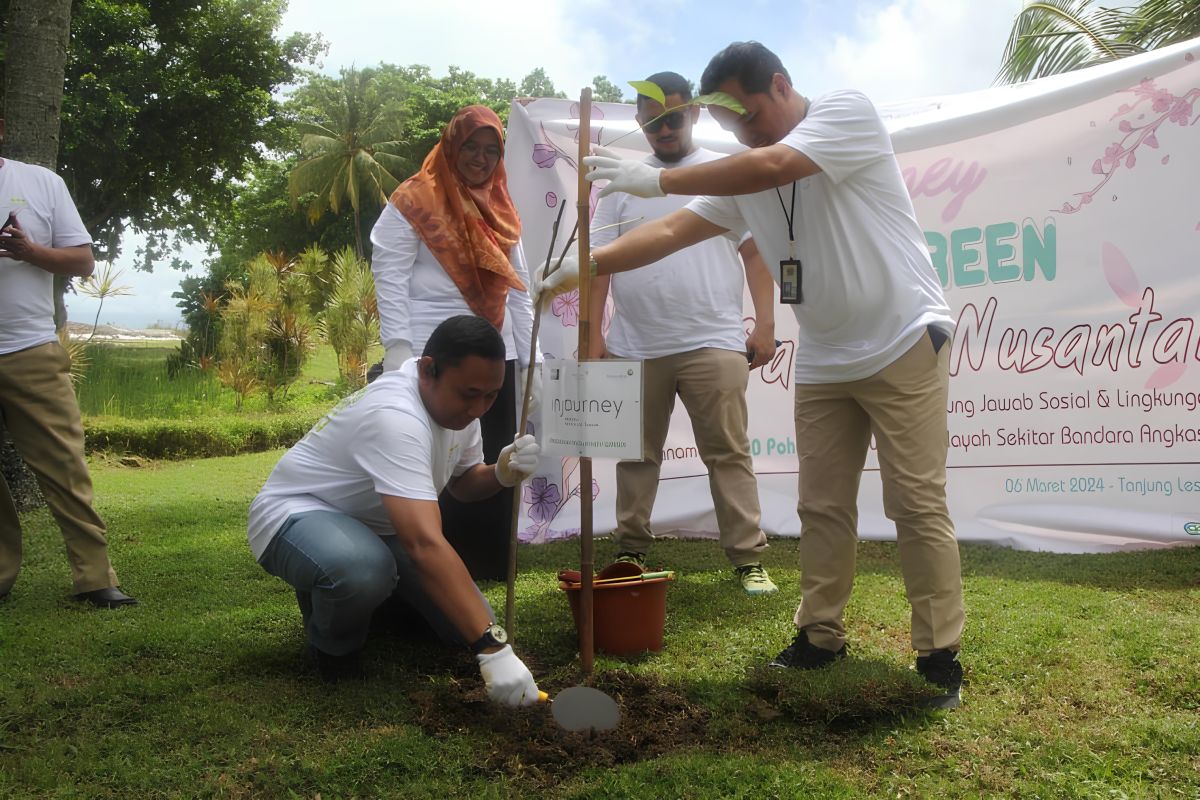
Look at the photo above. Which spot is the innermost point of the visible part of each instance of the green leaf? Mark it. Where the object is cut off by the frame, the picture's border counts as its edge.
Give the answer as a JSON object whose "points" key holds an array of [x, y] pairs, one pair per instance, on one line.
{"points": [[720, 99], [651, 90]]}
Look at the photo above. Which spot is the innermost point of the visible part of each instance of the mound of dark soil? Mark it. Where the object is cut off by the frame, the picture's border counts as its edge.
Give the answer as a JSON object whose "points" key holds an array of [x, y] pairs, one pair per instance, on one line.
{"points": [[528, 742]]}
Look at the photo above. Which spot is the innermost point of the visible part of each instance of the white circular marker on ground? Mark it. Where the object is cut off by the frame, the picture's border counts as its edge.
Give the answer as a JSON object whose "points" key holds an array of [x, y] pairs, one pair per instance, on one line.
{"points": [[582, 708]]}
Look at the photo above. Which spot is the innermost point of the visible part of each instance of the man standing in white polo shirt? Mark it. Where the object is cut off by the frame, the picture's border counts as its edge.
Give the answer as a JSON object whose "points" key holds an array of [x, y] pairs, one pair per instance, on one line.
{"points": [[822, 192], [682, 317], [43, 237]]}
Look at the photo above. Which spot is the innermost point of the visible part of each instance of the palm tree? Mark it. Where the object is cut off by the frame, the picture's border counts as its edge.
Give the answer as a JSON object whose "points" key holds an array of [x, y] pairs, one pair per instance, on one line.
{"points": [[1054, 36], [348, 150]]}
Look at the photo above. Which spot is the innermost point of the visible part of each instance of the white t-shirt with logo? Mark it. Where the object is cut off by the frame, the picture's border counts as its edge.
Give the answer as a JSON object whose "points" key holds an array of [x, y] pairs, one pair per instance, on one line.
{"points": [[869, 286], [49, 218], [688, 300], [379, 440]]}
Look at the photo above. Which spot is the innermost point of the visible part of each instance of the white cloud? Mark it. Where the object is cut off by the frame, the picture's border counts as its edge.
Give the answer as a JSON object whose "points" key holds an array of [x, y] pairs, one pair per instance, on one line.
{"points": [[911, 48], [493, 40]]}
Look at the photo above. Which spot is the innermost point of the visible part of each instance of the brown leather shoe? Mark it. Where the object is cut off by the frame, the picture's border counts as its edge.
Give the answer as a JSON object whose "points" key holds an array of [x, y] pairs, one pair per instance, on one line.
{"points": [[110, 597]]}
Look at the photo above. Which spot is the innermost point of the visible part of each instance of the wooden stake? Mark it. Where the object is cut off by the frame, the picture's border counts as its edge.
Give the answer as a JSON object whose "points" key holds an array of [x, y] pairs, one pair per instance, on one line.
{"points": [[510, 597], [583, 207]]}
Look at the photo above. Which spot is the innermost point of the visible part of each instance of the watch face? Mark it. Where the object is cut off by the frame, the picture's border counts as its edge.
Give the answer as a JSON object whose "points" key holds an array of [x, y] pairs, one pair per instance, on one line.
{"points": [[498, 633]]}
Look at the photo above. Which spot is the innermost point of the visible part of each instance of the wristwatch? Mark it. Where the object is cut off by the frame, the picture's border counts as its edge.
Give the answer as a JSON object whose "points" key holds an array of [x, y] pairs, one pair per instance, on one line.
{"points": [[493, 636]]}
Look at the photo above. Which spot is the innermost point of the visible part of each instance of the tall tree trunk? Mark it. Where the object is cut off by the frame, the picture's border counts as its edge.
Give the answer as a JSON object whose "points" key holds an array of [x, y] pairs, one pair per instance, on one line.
{"points": [[35, 64], [358, 238], [38, 31]]}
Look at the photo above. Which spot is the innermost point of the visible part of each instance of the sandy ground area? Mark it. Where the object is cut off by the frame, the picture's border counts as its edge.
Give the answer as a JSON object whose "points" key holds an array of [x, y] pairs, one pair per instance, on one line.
{"points": [[115, 333]]}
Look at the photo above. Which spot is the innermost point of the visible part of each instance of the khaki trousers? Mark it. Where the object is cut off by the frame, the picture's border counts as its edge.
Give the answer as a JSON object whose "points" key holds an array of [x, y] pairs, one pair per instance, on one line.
{"points": [[904, 407], [712, 385], [39, 409]]}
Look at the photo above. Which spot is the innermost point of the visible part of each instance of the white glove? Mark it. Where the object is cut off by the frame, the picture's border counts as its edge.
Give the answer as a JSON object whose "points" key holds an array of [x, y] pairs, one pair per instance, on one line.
{"points": [[624, 175], [397, 353], [507, 678], [563, 279], [535, 390], [517, 461]]}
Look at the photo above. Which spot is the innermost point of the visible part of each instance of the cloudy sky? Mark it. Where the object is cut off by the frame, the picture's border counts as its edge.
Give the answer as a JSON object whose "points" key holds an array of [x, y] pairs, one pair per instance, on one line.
{"points": [[894, 50]]}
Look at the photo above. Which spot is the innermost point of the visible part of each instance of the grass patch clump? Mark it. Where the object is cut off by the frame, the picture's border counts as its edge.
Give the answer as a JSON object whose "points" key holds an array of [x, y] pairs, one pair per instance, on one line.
{"points": [[848, 693], [202, 437]]}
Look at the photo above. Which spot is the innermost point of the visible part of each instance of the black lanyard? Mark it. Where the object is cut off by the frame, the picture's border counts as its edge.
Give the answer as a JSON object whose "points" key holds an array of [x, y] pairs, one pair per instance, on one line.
{"points": [[791, 218]]}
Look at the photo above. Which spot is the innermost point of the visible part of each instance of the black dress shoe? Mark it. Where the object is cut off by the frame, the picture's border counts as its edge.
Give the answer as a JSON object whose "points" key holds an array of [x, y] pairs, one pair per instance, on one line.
{"points": [[110, 597]]}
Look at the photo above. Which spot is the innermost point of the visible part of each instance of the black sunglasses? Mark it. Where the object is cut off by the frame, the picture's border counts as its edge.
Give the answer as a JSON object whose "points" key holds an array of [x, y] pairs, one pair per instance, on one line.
{"points": [[674, 121]]}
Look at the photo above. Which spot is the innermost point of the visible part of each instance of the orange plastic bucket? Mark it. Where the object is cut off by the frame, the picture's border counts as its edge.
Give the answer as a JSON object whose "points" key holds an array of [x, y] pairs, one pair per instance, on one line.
{"points": [[628, 617]]}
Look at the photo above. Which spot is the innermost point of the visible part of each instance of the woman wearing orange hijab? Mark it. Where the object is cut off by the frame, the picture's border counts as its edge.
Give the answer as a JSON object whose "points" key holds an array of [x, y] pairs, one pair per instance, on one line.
{"points": [[448, 243]]}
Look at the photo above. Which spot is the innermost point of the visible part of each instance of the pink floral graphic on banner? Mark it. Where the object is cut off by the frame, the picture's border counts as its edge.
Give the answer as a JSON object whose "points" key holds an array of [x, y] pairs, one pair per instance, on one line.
{"points": [[566, 308], [594, 130], [1168, 107], [544, 155], [1129, 290], [543, 498], [545, 501]]}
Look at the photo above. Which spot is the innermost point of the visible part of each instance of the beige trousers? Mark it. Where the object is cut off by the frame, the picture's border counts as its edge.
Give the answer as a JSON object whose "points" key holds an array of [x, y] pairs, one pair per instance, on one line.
{"points": [[904, 407], [39, 409], [712, 385]]}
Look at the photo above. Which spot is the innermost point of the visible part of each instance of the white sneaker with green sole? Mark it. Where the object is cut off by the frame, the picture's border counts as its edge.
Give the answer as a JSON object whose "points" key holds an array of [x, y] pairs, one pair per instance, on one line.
{"points": [[755, 580]]}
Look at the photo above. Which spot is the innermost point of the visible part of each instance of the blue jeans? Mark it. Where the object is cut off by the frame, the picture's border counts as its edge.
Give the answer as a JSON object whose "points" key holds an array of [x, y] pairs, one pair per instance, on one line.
{"points": [[342, 571]]}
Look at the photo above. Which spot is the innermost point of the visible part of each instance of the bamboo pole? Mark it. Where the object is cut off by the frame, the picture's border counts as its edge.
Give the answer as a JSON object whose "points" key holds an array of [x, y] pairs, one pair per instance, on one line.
{"points": [[511, 575], [585, 463]]}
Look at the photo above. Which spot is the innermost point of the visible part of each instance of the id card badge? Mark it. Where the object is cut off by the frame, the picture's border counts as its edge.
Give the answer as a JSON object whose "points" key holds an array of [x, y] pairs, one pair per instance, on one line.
{"points": [[790, 290]]}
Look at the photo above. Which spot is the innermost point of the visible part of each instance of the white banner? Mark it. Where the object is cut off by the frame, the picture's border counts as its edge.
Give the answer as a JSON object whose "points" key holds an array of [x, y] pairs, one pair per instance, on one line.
{"points": [[1063, 219], [592, 409]]}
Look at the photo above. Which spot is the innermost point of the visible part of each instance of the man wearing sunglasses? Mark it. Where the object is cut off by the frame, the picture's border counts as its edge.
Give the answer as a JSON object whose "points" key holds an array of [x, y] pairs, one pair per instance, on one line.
{"points": [[823, 195], [682, 317]]}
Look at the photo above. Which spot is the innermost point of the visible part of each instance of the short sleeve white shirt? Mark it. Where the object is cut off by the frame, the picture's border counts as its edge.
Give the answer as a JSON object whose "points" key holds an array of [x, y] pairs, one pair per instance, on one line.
{"points": [[868, 284], [379, 440], [688, 300], [49, 218]]}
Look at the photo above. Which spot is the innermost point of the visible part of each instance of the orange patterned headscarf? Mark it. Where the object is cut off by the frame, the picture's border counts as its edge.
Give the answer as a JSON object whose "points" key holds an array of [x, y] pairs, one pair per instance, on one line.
{"points": [[469, 229]]}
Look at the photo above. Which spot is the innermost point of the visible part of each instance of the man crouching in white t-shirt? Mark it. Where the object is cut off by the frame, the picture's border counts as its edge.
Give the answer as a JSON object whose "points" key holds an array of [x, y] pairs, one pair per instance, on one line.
{"points": [[350, 515]]}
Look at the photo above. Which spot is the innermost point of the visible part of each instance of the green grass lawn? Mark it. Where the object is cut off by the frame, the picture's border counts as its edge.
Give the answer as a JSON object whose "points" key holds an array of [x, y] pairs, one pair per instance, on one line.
{"points": [[131, 380], [1082, 678], [132, 404]]}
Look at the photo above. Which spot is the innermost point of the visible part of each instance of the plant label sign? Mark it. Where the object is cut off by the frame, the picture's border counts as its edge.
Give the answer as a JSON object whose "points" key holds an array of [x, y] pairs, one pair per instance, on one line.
{"points": [[593, 408]]}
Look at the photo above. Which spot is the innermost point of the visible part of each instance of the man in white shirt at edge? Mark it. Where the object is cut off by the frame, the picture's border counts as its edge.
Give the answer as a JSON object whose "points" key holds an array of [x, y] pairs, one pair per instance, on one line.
{"points": [[822, 193], [349, 516], [43, 236], [682, 317]]}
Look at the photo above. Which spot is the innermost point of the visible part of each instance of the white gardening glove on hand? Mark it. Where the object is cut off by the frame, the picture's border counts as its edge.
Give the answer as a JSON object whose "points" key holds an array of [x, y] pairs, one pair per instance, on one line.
{"points": [[507, 679], [397, 353], [563, 279], [517, 461], [624, 175]]}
